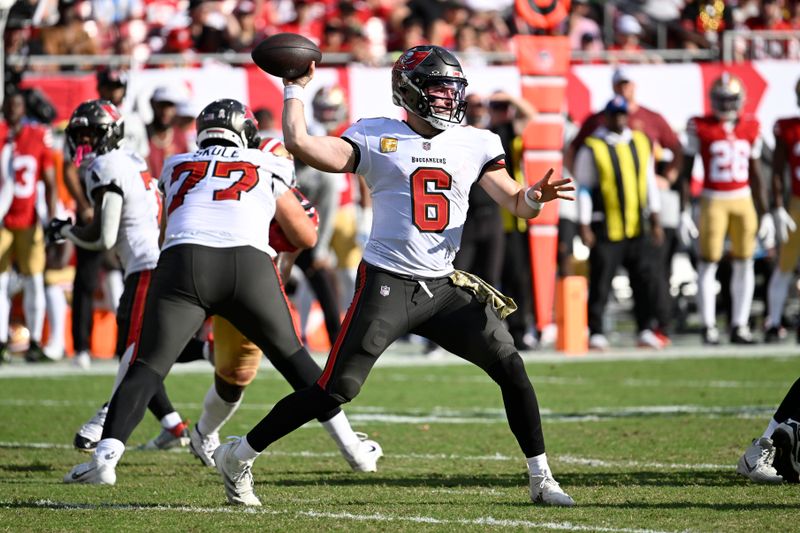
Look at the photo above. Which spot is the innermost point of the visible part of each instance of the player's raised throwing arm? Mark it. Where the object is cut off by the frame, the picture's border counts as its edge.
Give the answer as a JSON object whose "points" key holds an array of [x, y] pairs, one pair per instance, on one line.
{"points": [[329, 154]]}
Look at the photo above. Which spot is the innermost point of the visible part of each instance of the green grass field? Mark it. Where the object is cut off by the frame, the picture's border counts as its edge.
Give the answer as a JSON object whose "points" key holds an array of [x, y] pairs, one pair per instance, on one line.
{"points": [[647, 445]]}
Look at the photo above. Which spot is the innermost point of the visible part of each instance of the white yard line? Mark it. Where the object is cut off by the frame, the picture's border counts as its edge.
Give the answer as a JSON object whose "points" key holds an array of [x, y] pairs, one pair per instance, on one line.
{"points": [[478, 415], [486, 521], [408, 357], [498, 457]]}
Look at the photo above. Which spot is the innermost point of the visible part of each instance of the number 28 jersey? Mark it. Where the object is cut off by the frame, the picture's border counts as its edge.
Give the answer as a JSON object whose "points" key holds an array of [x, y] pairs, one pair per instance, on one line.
{"points": [[223, 197], [726, 150], [420, 191]]}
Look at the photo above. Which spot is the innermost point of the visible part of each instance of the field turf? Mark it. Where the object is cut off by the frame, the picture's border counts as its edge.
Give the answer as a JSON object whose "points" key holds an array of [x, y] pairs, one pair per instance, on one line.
{"points": [[642, 445]]}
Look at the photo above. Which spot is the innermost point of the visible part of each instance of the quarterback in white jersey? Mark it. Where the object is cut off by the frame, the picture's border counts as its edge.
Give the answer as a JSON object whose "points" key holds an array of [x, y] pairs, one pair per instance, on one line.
{"points": [[420, 172], [127, 208], [216, 260], [419, 189]]}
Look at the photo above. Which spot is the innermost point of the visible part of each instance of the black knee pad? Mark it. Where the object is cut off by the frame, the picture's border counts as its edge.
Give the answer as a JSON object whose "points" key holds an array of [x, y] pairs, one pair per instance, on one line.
{"points": [[509, 371], [376, 339], [344, 389]]}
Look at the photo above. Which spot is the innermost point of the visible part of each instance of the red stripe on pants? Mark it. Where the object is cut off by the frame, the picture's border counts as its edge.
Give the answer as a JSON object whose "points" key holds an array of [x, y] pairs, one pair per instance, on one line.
{"points": [[137, 312], [360, 282]]}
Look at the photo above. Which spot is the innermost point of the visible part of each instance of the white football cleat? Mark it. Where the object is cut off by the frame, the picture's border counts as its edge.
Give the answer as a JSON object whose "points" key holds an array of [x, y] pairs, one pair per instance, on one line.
{"points": [[598, 341], [648, 339], [203, 446], [89, 435], [546, 490], [786, 439], [82, 360], [756, 462], [363, 456], [93, 473], [174, 437], [236, 475]]}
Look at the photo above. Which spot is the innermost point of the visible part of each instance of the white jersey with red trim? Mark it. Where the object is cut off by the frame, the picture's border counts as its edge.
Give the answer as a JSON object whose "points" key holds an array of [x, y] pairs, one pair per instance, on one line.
{"points": [[420, 191], [125, 172], [223, 197]]}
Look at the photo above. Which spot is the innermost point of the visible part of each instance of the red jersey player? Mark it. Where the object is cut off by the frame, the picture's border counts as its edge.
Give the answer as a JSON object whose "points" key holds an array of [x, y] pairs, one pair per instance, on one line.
{"points": [[27, 149]]}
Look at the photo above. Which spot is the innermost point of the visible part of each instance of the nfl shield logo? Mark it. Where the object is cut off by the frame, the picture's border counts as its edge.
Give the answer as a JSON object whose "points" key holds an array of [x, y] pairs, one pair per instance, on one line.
{"points": [[385, 290], [426, 145]]}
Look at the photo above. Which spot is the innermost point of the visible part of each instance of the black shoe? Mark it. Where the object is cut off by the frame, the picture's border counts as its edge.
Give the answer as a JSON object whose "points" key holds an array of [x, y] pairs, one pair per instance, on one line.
{"points": [[711, 336], [742, 335], [35, 354], [786, 439], [774, 335], [5, 357]]}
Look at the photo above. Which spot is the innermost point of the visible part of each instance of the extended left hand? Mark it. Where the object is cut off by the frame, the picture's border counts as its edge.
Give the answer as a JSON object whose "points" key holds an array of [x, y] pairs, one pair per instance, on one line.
{"points": [[52, 233], [546, 190]]}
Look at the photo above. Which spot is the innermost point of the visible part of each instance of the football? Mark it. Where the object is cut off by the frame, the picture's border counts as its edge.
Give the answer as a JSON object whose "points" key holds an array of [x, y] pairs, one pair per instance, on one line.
{"points": [[285, 55]]}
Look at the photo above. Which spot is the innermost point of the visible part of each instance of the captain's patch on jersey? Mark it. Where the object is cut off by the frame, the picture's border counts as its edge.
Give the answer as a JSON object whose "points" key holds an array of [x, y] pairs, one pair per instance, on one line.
{"points": [[388, 144]]}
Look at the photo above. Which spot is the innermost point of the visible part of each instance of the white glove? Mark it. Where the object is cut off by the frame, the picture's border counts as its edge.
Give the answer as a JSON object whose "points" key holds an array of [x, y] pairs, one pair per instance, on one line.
{"points": [[687, 230], [363, 226], [784, 223], [766, 231]]}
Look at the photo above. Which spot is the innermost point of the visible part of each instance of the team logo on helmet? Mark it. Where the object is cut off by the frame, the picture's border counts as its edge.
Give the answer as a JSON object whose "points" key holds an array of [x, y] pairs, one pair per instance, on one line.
{"points": [[428, 81]]}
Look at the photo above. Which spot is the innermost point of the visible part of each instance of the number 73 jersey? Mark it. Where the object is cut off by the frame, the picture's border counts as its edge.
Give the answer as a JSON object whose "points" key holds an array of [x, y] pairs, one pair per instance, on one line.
{"points": [[420, 191], [726, 150]]}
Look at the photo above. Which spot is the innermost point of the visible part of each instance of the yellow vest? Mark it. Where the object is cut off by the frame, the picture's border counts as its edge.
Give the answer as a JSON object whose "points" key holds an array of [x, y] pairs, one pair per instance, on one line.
{"points": [[510, 221], [621, 191]]}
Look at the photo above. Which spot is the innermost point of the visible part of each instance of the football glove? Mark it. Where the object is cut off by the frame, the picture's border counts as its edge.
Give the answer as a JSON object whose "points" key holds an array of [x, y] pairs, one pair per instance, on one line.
{"points": [[784, 223], [52, 233], [687, 229], [766, 230]]}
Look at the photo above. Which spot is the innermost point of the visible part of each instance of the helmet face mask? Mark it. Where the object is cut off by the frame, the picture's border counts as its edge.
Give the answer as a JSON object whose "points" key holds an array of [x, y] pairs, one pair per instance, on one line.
{"points": [[227, 122], [95, 126], [727, 97], [428, 81]]}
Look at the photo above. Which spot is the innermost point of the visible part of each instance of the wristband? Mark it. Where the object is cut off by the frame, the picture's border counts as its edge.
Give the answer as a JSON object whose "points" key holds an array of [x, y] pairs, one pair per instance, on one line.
{"points": [[533, 204], [293, 91]]}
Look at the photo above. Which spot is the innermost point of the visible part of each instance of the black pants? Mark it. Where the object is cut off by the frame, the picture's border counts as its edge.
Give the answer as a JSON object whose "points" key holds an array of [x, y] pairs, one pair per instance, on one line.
{"points": [[516, 283], [387, 306], [323, 283], [662, 271], [604, 260], [192, 282], [790, 406], [87, 275]]}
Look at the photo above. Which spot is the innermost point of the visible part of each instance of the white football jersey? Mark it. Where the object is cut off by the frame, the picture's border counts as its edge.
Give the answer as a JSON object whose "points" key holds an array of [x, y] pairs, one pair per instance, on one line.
{"points": [[420, 191], [137, 240], [223, 197]]}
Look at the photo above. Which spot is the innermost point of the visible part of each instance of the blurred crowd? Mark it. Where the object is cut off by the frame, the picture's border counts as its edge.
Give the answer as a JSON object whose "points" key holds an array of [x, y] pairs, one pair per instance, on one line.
{"points": [[366, 30]]}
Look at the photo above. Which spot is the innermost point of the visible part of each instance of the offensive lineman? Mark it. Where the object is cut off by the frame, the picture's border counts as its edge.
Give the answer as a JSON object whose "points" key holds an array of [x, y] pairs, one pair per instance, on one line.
{"points": [[236, 358], [420, 172], [730, 146], [215, 259], [127, 207]]}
